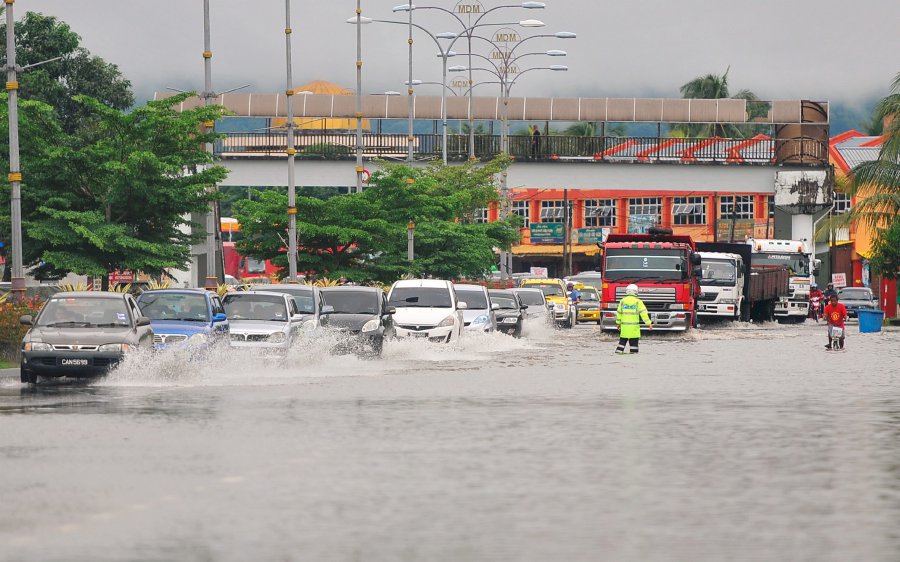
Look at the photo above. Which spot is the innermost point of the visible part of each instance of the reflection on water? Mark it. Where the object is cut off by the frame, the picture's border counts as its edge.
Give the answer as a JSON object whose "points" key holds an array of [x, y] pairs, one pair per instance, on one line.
{"points": [[733, 443]]}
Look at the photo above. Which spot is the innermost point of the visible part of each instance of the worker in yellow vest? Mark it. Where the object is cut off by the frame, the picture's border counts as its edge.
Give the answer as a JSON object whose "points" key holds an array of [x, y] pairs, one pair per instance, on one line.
{"points": [[629, 315]]}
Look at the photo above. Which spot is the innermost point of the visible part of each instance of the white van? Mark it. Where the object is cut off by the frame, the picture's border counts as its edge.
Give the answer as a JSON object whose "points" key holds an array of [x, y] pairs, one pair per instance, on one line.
{"points": [[427, 309]]}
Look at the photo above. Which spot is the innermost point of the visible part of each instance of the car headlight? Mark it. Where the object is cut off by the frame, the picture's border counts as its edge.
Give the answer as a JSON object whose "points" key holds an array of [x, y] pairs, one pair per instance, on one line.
{"points": [[371, 325], [677, 306], [560, 306], [277, 337], [480, 320], [198, 339], [448, 321], [113, 347], [309, 325], [38, 346], [727, 301]]}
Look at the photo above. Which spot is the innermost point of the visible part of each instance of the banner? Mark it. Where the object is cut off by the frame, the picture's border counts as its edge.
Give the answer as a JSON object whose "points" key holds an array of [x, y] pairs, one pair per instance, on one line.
{"points": [[592, 235], [547, 232]]}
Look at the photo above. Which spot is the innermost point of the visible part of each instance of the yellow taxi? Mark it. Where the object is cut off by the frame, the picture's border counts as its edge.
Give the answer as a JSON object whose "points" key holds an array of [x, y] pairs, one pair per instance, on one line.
{"points": [[588, 306], [558, 301]]}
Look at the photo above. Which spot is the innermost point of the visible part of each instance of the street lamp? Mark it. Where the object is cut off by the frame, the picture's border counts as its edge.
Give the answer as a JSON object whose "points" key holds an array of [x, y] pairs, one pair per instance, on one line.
{"points": [[467, 31], [291, 151]]}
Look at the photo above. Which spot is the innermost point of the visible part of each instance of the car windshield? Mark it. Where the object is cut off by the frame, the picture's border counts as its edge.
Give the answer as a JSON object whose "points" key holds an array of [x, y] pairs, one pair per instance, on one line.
{"points": [[249, 306], [420, 297], [475, 300], [505, 303], [352, 302], [855, 294], [84, 313], [797, 263], [306, 302], [174, 306], [642, 264], [530, 297], [550, 289], [591, 281], [589, 296], [717, 273]]}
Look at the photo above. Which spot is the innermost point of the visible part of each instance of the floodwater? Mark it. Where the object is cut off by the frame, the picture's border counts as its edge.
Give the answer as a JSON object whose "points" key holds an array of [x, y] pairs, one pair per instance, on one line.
{"points": [[731, 443]]}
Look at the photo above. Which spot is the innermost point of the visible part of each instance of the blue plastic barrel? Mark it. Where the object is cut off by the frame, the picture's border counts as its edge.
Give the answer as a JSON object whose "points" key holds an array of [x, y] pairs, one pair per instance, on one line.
{"points": [[870, 321]]}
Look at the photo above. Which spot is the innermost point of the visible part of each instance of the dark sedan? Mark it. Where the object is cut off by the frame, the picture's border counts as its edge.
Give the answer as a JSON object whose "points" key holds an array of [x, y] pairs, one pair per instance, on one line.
{"points": [[856, 299], [80, 334], [511, 314], [363, 313]]}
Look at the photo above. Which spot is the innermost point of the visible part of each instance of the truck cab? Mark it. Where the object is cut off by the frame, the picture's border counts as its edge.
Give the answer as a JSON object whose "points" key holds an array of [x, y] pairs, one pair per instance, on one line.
{"points": [[666, 269], [802, 267], [721, 285]]}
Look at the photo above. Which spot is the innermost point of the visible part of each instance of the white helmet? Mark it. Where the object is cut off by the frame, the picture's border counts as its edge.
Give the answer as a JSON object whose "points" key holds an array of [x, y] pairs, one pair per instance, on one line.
{"points": [[631, 289]]}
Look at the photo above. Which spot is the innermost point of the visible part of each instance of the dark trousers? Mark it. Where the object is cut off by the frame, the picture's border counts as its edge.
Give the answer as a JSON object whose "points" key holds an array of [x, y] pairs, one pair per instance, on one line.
{"points": [[632, 344]]}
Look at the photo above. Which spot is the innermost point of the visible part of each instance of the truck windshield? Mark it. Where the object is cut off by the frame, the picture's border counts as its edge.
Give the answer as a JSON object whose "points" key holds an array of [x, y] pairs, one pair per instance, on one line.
{"points": [[644, 263], [798, 263], [721, 273]]}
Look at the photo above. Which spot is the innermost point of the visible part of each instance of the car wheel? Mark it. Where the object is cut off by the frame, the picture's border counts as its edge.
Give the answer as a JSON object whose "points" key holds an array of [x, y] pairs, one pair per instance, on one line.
{"points": [[599, 322], [27, 376]]}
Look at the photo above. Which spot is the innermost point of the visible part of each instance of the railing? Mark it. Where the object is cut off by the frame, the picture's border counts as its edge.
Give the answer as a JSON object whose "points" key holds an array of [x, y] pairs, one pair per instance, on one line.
{"points": [[337, 146]]}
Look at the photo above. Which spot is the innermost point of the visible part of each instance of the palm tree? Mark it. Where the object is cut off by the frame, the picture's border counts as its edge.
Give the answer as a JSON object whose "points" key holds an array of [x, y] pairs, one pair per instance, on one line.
{"points": [[582, 129], [714, 86]]}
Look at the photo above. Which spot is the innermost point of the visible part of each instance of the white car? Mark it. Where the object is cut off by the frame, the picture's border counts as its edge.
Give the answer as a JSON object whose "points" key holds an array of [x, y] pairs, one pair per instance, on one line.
{"points": [[260, 320], [537, 310], [427, 309], [479, 315]]}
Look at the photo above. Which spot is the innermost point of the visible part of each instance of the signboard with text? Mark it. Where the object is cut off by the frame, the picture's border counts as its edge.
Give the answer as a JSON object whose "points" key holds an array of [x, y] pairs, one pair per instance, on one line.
{"points": [[640, 224], [540, 272], [839, 280], [547, 233], [737, 230], [591, 235]]}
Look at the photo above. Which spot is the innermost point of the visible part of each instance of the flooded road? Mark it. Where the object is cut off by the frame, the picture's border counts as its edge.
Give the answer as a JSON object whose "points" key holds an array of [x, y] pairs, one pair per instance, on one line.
{"points": [[730, 443]]}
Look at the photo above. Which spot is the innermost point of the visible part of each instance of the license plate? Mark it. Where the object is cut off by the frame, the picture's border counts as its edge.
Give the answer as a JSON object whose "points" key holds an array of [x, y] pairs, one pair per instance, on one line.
{"points": [[419, 334], [67, 362]]}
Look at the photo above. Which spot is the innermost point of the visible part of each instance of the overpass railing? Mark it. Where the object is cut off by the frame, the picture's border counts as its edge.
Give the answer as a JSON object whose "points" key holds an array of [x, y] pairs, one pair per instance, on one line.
{"points": [[549, 148]]}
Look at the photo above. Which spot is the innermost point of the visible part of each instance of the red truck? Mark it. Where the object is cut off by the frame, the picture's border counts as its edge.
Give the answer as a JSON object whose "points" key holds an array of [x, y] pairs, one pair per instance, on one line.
{"points": [[666, 269], [246, 269]]}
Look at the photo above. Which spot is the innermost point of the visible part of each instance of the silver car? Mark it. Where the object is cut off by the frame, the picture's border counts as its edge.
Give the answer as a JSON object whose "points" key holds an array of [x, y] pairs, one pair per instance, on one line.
{"points": [[80, 334], [479, 315], [262, 320], [538, 310]]}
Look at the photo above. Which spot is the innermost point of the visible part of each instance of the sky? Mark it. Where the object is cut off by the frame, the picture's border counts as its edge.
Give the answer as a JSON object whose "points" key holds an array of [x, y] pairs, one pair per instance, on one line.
{"points": [[839, 51]]}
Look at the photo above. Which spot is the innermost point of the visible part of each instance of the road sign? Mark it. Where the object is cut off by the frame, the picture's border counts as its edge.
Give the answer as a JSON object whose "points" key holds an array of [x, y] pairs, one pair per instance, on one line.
{"points": [[547, 233]]}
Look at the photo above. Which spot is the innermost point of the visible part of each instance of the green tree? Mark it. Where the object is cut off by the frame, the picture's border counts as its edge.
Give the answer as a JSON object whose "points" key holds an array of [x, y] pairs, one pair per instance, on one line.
{"points": [[583, 129], [363, 236], [40, 38], [715, 86], [115, 196]]}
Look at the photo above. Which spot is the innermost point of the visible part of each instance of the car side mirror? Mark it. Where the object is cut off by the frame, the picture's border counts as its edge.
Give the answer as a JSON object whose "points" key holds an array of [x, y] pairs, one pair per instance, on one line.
{"points": [[461, 305], [523, 307], [695, 258], [816, 271], [142, 321], [391, 310], [219, 317], [495, 306], [297, 318], [26, 320]]}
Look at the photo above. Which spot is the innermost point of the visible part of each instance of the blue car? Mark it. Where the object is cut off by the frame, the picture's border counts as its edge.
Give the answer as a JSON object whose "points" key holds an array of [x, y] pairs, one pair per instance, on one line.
{"points": [[184, 318]]}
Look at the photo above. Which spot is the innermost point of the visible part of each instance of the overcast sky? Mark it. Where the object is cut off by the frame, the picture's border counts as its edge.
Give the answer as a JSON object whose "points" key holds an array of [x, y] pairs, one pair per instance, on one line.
{"points": [[823, 49]]}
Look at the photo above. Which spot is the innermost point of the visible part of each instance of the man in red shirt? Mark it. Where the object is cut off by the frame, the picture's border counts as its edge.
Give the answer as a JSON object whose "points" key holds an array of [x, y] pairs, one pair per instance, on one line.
{"points": [[835, 314]]}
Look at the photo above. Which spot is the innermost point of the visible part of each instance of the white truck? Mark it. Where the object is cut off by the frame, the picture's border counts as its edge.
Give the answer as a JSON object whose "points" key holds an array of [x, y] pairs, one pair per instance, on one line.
{"points": [[734, 286], [802, 266]]}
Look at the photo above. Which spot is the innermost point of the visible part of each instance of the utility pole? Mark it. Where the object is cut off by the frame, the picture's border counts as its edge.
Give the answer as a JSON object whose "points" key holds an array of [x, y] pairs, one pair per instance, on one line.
{"points": [[359, 63], [17, 278], [565, 247], [291, 151], [212, 280]]}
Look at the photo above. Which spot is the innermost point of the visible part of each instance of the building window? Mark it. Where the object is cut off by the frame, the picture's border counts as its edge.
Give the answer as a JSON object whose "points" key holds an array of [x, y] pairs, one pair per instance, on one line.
{"points": [[521, 208], [689, 210], [599, 212], [645, 206], [842, 203], [480, 216], [736, 207], [552, 211]]}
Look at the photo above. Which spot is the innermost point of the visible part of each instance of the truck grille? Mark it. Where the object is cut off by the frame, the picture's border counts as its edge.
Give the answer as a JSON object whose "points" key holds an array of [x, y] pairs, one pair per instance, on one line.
{"points": [[661, 295]]}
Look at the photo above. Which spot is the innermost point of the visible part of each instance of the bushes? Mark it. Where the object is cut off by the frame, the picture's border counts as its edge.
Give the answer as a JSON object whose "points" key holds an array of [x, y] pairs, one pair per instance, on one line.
{"points": [[11, 331]]}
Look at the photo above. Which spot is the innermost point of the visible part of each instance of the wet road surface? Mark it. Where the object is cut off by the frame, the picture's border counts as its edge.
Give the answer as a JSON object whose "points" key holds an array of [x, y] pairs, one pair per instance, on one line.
{"points": [[732, 443]]}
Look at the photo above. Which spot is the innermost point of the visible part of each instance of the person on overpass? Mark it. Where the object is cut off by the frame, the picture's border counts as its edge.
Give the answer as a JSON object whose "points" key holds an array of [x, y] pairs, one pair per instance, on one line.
{"points": [[629, 315]]}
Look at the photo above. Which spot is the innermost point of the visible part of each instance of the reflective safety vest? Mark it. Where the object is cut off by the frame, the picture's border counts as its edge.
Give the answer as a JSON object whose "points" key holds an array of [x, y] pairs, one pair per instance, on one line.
{"points": [[629, 315]]}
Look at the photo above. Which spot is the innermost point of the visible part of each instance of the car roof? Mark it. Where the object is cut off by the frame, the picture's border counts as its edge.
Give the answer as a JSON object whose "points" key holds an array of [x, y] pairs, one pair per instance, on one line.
{"points": [[90, 295], [176, 291], [283, 288], [529, 289], [351, 288], [501, 292], [469, 287], [438, 283], [254, 293]]}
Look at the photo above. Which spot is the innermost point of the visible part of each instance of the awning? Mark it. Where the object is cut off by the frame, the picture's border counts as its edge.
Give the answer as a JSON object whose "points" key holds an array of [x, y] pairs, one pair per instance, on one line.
{"points": [[553, 249]]}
